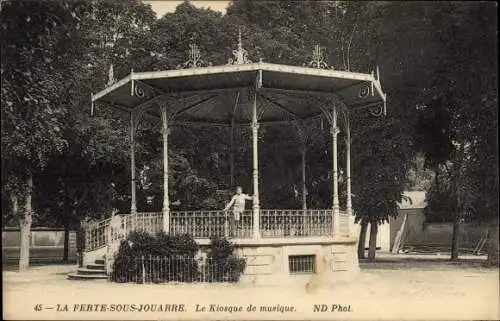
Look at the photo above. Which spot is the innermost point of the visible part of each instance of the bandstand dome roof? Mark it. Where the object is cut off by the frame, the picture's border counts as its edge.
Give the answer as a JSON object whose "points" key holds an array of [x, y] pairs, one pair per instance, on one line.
{"points": [[222, 94]]}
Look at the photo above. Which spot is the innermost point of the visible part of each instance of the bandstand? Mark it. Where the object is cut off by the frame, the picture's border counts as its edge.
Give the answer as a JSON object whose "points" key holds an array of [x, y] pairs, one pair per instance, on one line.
{"points": [[278, 245]]}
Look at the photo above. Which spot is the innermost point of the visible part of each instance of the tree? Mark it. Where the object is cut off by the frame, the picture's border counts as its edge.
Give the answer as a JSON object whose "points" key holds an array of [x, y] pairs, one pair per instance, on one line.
{"points": [[46, 77], [116, 33], [39, 43], [467, 60], [378, 188], [381, 148], [419, 178]]}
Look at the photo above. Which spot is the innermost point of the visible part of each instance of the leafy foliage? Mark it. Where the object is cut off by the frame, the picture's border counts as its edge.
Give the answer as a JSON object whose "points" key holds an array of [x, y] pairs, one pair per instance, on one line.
{"points": [[35, 62], [138, 251], [223, 262], [165, 258], [464, 126]]}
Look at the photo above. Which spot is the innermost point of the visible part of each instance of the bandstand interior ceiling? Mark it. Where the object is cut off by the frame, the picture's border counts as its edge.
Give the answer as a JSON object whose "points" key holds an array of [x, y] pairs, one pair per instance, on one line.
{"points": [[225, 94]]}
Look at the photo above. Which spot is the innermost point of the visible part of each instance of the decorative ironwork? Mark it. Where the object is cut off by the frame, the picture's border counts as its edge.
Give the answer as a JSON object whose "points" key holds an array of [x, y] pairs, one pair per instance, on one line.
{"points": [[376, 110], [205, 224], [334, 131], [139, 92], [240, 55], [111, 77], [194, 61], [364, 92], [318, 60], [295, 223]]}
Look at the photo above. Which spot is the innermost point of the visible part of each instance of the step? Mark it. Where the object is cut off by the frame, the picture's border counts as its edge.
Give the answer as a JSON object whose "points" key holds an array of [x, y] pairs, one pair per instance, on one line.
{"points": [[85, 271], [95, 267], [77, 276], [99, 261]]}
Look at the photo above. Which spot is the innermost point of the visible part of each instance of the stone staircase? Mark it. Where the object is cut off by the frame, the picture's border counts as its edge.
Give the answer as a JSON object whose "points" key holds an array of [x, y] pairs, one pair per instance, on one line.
{"points": [[92, 271]]}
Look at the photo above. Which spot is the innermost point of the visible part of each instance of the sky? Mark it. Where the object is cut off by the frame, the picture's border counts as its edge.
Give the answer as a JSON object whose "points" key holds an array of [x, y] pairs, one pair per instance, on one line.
{"points": [[163, 6]]}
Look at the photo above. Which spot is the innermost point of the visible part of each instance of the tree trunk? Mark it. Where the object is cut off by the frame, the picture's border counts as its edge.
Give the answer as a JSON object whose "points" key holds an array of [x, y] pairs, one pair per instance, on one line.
{"points": [[66, 243], [80, 244], [25, 221], [493, 244], [362, 239], [454, 238], [373, 240]]}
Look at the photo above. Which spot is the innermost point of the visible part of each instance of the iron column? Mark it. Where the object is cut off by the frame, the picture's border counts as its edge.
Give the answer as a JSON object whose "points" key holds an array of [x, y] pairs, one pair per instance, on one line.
{"points": [[166, 203], [334, 132], [255, 172], [303, 151], [133, 205], [348, 170]]}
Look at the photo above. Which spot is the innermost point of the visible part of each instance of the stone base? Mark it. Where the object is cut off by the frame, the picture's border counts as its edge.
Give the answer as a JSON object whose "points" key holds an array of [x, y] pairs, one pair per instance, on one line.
{"points": [[335, 262], [90, 257]]}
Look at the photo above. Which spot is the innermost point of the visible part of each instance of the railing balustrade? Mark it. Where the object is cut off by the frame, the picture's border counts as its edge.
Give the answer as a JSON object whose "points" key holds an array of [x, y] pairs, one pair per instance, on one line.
{"points": [[96, 235], [145, 222], [206, 224], [276, 223], [295, 223]]}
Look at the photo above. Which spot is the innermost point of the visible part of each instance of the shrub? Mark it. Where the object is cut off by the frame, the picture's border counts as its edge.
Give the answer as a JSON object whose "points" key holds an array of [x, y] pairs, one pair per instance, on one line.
{"points": [[164, 258], [222, 264], [138, 256], [179, 245], [123, 266]]}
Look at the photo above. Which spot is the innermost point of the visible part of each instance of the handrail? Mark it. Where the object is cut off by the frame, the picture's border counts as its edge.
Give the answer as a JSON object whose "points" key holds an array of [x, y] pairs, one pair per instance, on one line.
{"points": [[209, 223]]}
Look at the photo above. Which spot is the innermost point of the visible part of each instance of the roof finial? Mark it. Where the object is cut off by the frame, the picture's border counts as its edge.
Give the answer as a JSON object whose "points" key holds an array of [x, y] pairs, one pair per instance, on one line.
{"points": [[194, 57], [240, 55], [318, 61]]}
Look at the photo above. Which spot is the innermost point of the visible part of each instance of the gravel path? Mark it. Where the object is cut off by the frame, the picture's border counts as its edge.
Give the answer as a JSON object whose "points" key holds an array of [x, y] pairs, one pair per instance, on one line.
{"points": [[446, 293]]}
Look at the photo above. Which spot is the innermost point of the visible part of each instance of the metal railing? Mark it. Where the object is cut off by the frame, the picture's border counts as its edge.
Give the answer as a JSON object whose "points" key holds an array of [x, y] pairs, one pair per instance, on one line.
{"points": [[145, 222], [96, 235], [277, 223], [206, 224], [296, 223], [159, 269]]}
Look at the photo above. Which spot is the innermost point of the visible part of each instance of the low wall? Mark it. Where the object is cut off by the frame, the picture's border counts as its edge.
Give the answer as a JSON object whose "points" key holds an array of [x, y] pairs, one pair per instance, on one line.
{"points": [[441, 233], [46, 246]]}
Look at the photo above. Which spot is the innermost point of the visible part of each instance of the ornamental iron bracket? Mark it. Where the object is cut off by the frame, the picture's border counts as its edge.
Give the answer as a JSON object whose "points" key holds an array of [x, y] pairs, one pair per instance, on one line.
{"points": [[376, 110], [194, 58], [318, 60]]}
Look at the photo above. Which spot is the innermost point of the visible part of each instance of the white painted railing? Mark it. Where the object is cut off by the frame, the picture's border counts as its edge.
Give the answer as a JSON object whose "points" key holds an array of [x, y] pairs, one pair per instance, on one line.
{"points": [[96, 235], [295, 223], [277, 223], [145, 222], [206, 224]]}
